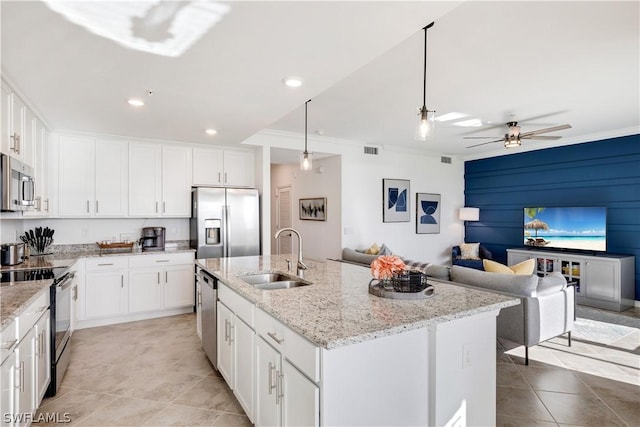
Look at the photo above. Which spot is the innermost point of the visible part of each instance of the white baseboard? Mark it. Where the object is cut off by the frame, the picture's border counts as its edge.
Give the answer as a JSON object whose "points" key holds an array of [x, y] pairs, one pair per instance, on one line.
{"points": [[92, 323]]}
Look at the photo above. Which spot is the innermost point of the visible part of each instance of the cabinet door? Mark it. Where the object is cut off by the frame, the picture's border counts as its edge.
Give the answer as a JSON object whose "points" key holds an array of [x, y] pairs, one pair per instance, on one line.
{"points": [[7, 390], [238, 168], [199, 310], [5, 124], [105, 294], [145, 289], [244, 365], [25, 374], [42, 355], [267, 369], [602, 280], [144, 179], [207, 166], [28, 140], [176, 181], [20, 143], [301, 398], [178, 286], [111, 178], [225, 340], [40, 170], [75, 176]]}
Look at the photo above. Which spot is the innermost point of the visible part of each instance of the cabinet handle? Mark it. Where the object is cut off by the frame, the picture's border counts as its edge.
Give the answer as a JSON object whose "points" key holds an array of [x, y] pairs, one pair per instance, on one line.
{"points": [[75, 293], [199, 299], [272, 370], [162, 260], [225, 177], [87, 206], [218, 177], [16, 142], [38, 345], [231, 333], [7, 345], [47, 202], [275, 337], [156, 207], [104, 264], [21, 377], [226, 330], [122, 282], [166, 276], [39, 204], [97, 206], [279, 387], [164, 207]]}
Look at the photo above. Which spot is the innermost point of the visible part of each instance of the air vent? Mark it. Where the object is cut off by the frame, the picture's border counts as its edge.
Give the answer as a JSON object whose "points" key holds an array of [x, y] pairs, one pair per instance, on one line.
{"points": [[444, 159], [371, 150]]}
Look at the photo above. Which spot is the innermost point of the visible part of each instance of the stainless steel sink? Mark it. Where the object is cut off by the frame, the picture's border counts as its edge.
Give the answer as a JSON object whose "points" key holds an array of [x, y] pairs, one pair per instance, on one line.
{"points": [[270, 281]]}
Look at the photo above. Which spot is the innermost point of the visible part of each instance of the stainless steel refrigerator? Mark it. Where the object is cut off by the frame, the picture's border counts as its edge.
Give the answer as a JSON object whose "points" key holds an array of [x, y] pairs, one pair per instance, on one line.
{"points": [[225, 222]]}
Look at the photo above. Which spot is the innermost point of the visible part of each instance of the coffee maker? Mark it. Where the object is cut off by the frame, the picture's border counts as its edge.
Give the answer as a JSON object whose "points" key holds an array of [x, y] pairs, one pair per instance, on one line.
{"points": [[153, 238]]}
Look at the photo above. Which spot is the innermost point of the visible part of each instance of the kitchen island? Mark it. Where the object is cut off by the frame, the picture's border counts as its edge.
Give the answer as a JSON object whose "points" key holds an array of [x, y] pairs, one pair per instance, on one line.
{"points": [[380, 361]]}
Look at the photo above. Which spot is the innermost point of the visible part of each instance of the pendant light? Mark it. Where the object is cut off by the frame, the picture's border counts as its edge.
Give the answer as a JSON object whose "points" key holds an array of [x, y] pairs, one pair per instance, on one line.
{"points": [[306, 163], [425, 124]]}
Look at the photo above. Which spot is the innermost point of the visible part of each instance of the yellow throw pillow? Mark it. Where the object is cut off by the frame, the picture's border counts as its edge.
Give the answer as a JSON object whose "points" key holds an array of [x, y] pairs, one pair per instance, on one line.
{"points": [[522, 268], [373, 250], [470, 250]]}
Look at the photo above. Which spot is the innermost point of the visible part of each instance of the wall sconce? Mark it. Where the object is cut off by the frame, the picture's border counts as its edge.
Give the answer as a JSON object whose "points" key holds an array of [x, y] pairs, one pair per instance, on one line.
{"points": [[469, 214]]}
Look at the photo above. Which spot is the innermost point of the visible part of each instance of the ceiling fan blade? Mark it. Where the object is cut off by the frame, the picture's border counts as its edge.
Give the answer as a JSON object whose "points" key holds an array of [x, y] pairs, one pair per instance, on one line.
{"points": [[551, 129], [480, 137], [485, 143], [541, 137]]}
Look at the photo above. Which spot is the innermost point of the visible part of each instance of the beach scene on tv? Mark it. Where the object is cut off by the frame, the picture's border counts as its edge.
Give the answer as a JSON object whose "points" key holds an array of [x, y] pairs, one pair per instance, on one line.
{"points": [[566, 228]]}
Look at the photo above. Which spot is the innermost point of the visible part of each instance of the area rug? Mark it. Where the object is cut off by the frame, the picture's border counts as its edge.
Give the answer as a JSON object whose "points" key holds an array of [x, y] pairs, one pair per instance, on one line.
{"points": [[600, 331]]}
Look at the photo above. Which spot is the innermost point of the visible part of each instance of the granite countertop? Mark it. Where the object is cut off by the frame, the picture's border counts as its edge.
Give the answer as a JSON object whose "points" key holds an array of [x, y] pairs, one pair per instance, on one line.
{"points": [[337, 309], [16, 296]]}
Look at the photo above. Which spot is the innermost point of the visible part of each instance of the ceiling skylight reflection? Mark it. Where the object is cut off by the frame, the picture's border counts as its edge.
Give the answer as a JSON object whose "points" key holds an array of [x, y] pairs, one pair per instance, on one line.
{"points": [[161, 27], [472, 123]]}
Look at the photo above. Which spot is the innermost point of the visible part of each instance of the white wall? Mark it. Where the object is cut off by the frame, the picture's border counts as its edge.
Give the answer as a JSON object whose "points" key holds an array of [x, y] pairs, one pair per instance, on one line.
{"points": [[361, 186], [321, 239]]}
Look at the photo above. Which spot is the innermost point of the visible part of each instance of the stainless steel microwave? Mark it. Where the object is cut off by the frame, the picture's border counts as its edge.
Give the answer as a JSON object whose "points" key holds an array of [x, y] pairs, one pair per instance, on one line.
{"points": [[18, 187]]}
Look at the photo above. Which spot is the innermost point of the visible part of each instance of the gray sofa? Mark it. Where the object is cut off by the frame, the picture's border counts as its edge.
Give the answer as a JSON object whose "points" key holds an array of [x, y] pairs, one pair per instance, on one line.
{"points": [[547, 303], [353, 256]]}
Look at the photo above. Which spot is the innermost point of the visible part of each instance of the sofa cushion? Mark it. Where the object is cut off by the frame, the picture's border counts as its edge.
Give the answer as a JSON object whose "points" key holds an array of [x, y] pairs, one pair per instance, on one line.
{"points": [[352, 255], [525, 267], [514, 284], [554, 282], [437, 271]]}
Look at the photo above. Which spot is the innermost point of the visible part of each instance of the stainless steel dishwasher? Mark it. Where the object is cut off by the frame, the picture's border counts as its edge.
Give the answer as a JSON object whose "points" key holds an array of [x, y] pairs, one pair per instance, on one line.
{"points": [[209, 289]]}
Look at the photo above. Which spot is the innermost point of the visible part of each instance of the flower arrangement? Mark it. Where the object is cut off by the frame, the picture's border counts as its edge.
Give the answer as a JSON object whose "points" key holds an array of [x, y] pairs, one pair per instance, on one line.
{"points": [[385, 266]]}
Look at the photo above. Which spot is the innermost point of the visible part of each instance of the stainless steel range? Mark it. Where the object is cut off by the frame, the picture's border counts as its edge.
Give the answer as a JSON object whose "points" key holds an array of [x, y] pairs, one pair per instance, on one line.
{"points": [[62, 293]]}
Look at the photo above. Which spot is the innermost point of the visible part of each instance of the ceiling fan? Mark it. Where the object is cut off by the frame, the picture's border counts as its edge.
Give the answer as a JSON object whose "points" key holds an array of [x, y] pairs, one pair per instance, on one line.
{"points": [[513, 138]]}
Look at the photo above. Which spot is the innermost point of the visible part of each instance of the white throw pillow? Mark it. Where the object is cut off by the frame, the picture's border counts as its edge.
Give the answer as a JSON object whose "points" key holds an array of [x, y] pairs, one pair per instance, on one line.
{"points": [[470, 250]]}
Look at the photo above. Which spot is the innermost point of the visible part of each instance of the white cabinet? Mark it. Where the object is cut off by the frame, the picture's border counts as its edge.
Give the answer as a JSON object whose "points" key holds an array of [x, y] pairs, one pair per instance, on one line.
{"points": [[199, 308], [161, 281], [106, 287], [13, 141], [25, 376], [217, 167], [268, 366], [7, 389], [236, 346], [42, 356], [92, 177], [300, 398], [159, 180], [605, 281]]}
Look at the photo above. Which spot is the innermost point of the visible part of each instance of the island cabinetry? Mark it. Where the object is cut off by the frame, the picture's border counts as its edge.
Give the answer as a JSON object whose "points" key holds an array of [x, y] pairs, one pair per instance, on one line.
{"points": [[604, 281], [236, 346], [288, 368], [217, 167]]}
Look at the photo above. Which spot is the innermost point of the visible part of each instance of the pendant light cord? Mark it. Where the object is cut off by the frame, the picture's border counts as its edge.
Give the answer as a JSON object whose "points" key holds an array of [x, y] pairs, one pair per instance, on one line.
{"points": [[424, 87], [305, 125]]}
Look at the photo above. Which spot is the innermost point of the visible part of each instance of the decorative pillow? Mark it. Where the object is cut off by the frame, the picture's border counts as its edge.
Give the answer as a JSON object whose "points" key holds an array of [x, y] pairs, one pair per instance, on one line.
{"points": [[523, 268], [373, 250], [384, 250], [469, 250]]}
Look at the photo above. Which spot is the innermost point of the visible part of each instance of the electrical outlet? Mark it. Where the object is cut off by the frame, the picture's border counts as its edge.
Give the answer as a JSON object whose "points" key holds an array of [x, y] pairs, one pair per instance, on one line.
{"points": [[84, 232], [466, 356]]}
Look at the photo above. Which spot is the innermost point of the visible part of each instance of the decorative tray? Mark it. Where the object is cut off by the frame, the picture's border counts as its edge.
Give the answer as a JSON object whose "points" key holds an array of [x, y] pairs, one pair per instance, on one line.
{"points": [[114, 245], [408, 285]]}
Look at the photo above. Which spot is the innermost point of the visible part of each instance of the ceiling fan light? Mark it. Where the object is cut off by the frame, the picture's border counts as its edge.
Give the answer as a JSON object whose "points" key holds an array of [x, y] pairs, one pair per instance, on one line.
{"points": [[511, 142]]}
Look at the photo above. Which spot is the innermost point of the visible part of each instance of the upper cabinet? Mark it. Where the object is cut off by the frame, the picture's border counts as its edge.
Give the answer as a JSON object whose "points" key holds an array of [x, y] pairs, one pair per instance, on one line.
{"points": [[14, 142], [92, 177], [159, 180], [215, 167], [40, 161]]}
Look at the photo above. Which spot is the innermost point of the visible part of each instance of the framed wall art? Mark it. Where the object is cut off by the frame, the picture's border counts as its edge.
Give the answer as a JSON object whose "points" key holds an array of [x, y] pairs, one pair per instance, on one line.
{"points": [[313, 209], [427, 213], [395, 200]]}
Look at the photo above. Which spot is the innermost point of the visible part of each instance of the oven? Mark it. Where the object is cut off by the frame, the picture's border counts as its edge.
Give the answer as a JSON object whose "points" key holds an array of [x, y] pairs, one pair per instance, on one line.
{"points": [[62, 296]]}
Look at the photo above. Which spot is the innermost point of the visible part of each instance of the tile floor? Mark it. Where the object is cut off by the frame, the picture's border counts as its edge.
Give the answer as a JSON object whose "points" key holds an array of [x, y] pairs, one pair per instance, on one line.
{"points": [[154, 373]]}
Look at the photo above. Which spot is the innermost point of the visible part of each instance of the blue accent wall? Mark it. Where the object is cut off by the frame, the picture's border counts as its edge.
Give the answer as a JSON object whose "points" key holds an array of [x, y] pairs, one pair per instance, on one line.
{"points": [[601, 173]]}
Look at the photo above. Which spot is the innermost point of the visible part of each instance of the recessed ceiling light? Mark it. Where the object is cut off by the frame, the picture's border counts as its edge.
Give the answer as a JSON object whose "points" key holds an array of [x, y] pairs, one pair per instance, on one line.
{"points": [[135, 102], [450, 116], [211, 131], [473, 123], [292, 81]]}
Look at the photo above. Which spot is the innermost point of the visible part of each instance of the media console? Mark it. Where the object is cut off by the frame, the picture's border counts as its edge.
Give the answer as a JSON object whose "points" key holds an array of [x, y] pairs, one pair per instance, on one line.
{"points": [[604, 281]]}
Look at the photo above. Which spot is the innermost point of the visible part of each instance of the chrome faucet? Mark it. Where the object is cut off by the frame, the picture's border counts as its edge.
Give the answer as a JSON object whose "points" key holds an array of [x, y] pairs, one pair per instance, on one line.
{"points": [[300, 265]]}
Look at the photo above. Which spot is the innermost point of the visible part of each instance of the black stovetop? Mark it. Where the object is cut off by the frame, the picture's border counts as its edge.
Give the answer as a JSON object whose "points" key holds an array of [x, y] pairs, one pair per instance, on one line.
{"points": [[8, 276]]}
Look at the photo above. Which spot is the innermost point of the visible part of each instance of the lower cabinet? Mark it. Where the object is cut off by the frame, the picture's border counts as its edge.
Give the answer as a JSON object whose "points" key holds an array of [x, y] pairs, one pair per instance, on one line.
{"points": [[42, 356], [7, 389], [25, 375], [121, 288]]}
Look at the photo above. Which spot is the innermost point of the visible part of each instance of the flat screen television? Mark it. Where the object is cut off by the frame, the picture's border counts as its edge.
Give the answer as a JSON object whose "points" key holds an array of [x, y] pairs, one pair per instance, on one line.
{"points": [[566, 228]]}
